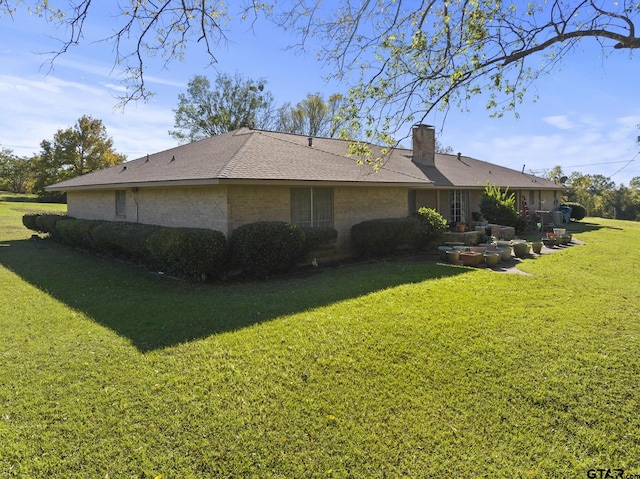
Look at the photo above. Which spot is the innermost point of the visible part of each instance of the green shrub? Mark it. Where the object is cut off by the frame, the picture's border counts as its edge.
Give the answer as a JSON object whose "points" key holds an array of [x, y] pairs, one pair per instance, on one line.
{"points": [[381, 237], [499, 207], [46, 223], [123, 239], [578, 211], [267, 247], [77, 232], [431, 226], [191, 252], [29, 221], [316, 237]]}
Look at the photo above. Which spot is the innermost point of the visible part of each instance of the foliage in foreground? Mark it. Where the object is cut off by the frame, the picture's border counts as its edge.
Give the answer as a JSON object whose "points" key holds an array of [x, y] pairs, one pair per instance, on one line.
{"points": [[388, 369], [385, 236], [267, 247], [431, 226], [498, 206]]}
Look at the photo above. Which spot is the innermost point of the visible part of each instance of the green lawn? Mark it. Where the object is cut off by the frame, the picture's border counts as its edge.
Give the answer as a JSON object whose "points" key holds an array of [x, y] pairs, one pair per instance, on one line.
{"points": [[388, 369]]}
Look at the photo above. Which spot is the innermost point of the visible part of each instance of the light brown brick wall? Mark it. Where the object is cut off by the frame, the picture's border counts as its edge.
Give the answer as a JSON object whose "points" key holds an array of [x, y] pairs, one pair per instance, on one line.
{"points": [[92, 205], [353, 205], [198, 207], [427, 199], [248, 204], [209, 207]]}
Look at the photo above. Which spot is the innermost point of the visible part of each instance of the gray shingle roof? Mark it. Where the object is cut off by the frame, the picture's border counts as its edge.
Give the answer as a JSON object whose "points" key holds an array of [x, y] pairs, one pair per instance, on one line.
{"points": [[258, 156]]}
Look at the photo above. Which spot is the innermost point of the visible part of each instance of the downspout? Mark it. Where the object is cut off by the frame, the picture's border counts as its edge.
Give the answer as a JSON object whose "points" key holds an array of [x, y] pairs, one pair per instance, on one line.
{"points": [[135, 200]]}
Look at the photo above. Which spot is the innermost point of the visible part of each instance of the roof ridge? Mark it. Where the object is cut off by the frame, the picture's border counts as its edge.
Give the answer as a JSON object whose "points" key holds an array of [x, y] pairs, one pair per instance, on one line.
{"points": [[226, 169], [272, 134]]}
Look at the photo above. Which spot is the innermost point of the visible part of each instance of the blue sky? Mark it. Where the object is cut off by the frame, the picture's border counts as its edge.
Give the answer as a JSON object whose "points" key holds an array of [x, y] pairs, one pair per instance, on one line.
{"points": [[585, 118]]}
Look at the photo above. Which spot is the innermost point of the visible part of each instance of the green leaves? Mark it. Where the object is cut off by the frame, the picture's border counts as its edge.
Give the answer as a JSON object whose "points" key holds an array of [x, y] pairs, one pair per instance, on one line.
{"points": [[234, 102], [75, 151]]}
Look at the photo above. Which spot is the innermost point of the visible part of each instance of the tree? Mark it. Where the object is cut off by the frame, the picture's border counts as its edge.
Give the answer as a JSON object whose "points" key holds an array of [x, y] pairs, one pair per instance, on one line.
{"points": [[413, 57], [597, 193], [235, 102], [78, 150], [16, 173], [312, 116], [440, 148]]}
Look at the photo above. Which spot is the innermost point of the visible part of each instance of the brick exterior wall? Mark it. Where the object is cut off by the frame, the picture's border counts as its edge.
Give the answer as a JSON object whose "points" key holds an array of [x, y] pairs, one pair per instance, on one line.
{"points": [[352, 205], [224, 208], [93, 205], [198, 207], [248, 204]]}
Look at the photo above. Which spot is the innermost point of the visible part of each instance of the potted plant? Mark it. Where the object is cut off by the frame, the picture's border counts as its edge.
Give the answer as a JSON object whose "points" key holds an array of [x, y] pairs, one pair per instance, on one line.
{"points": [[521, 249], [536, 246], [453, 256], [471, 258], [491, 258]]}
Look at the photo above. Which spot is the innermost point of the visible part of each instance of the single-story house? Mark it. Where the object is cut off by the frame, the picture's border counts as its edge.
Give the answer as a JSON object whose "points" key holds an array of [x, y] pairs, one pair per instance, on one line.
{"points": [[251, 175]]}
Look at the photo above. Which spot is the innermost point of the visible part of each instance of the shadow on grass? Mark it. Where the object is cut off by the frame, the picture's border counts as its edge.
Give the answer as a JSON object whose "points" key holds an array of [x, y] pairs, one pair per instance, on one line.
{"points": [[155, 312], [585, 227]]}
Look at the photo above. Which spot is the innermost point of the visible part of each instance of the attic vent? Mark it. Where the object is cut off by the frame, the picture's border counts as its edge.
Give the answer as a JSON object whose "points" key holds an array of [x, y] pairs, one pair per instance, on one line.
{"points": [[173, 158], [147, 160], [310, 141], [123, 168]]}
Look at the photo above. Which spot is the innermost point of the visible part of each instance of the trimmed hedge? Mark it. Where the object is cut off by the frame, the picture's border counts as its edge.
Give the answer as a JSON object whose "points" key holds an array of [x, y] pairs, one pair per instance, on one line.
{"points": [[578, 211], [317, 237], [382, 237], [77, 232], [46, 223], [267, 247], [29, 221], [123, 239], [192, 252]]}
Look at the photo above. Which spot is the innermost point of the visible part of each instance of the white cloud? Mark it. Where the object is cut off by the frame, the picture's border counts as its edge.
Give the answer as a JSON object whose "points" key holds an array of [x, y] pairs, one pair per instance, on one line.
{"points": [[559, 121], [34, 109]]}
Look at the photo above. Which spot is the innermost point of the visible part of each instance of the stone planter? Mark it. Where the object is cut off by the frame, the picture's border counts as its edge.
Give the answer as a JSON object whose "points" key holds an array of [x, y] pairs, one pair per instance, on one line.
{"points": [[536, 246], [521, 250], [478, 249], [505, 253], [549, 242], [470, 258], [491, 259], [453, 256]]}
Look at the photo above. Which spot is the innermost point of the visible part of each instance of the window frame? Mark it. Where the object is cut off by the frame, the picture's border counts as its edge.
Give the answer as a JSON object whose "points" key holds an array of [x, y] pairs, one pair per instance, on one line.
{"points": [[312, 206], [458, 206], [121, 203]]}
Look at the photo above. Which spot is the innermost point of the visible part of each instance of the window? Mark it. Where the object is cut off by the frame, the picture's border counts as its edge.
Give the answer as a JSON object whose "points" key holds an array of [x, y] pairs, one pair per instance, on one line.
{"points": [[312, 206], [121, 203], [458, 206]]}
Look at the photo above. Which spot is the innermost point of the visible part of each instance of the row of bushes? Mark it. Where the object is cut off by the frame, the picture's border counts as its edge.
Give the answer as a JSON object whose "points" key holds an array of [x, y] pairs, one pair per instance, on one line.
{"points": [[259, 249]]}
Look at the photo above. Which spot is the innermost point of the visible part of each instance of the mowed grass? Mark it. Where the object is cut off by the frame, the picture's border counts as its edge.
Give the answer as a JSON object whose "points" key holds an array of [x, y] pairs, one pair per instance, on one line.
{"points": [[387, 369]]}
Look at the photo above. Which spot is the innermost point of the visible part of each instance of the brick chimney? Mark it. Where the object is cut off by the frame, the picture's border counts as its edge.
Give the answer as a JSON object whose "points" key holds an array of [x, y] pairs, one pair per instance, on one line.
{"points": [[424, 145]]}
